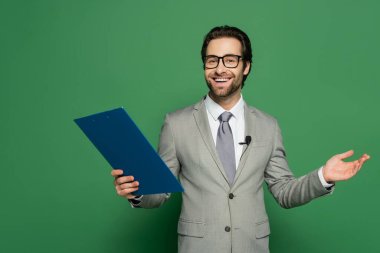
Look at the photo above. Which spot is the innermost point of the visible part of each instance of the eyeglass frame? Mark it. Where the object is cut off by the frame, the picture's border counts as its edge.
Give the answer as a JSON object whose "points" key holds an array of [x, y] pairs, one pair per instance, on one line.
{"points": [[221, 57]]}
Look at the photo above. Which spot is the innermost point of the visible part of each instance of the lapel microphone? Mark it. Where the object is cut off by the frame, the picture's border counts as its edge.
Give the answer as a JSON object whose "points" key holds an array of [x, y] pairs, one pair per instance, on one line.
{"points": [[247, 141]]}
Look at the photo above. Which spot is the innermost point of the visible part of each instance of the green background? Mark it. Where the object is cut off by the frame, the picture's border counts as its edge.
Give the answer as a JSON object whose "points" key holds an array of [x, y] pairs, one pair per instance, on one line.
{"points": [[315, 68]]}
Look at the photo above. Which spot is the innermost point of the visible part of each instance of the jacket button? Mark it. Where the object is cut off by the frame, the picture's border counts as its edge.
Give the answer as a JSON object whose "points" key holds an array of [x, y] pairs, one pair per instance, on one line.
{"points": [[231, 195], [227, 229]]}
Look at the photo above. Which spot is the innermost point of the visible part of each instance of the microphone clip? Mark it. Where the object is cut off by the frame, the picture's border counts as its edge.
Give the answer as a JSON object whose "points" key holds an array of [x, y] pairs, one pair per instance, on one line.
{"points": [[247, 141]]}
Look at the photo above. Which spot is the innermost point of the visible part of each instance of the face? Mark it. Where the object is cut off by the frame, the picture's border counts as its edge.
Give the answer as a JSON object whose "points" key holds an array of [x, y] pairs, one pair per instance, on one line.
{"points": [[225, 82]]}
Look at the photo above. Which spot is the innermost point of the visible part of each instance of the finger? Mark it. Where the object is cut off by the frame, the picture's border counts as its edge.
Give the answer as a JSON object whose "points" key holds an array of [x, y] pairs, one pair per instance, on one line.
{"points": [[125, 192], [116, 177], [366, 157], [129, 185], [357, 164], [116, 172], [360, 166], [345, 154], [125, 179], [362, 160], [117, 188]]}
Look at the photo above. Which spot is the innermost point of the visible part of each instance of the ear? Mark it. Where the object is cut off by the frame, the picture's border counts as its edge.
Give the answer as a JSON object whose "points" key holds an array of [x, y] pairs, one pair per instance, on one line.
{"points": [[247, 68]]}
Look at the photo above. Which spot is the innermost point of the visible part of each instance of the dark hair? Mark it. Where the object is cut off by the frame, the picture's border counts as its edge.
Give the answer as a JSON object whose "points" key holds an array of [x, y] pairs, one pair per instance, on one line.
{"points": [[232, 32]]}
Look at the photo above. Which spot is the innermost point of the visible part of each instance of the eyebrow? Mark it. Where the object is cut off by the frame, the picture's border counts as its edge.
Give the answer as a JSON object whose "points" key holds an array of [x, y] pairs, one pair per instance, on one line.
{"points": [[213, 55]]}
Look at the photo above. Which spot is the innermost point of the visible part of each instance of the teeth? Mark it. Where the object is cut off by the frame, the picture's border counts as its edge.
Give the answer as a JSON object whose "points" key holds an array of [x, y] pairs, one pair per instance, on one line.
{"points": [[221, 79]]}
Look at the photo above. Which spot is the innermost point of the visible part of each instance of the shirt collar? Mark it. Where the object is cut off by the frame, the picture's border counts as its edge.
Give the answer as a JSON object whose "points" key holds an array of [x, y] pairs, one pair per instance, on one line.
{"points": [[216, 110]]}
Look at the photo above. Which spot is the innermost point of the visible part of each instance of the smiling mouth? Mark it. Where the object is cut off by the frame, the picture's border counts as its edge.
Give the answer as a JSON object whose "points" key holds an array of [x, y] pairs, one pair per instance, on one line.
{"points": [[221, 80]]}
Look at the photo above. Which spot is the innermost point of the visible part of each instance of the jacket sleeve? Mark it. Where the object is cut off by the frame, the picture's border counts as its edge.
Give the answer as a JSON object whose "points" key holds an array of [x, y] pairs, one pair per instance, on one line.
{"points": [[167, 152], [287, 190]]}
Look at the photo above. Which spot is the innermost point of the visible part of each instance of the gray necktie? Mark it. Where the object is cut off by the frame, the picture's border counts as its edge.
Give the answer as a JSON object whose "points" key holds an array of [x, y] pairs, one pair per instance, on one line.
{"points": [[225, 146]]}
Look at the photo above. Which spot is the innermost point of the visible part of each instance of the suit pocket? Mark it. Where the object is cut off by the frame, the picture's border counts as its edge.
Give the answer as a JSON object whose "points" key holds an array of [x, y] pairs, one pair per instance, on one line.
{"points": [[262, 229], [191, 228]]}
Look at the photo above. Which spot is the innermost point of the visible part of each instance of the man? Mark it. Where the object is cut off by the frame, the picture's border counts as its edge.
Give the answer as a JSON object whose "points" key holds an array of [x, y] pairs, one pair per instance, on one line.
{"points": [[222, 150]]}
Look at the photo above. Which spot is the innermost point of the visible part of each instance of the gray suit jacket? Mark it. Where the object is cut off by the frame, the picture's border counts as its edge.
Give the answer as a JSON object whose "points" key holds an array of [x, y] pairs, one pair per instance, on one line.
{"points": [[215, 216]]}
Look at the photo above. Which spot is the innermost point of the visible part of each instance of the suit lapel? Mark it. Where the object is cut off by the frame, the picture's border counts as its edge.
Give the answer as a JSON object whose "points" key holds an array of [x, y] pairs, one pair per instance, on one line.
{"points": [[250, 130], [201, 119]]}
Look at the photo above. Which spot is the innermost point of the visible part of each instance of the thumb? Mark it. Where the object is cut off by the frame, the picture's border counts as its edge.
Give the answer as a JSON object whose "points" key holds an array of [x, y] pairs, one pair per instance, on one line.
{"points": [[345, 154]]}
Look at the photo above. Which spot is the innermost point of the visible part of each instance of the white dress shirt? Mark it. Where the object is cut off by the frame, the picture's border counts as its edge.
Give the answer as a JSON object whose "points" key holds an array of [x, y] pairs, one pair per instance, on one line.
{"points": [[237, 124]]}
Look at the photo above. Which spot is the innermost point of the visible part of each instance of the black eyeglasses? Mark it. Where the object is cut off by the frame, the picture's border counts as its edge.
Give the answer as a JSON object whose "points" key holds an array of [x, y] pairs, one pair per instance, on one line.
{"points": [[229, 61]]}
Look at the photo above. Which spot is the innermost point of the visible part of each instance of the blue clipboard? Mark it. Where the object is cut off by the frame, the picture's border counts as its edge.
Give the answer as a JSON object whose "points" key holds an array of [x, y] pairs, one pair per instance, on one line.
{"points": [[123, 145]]}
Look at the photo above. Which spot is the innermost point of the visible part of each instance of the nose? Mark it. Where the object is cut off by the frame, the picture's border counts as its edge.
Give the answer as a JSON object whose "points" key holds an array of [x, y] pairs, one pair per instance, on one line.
{"points": [[220, 68]]}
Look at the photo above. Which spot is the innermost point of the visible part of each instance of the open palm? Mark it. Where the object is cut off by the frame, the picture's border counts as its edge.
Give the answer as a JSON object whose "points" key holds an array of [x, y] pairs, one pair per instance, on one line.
{"points": [[338, 170]]}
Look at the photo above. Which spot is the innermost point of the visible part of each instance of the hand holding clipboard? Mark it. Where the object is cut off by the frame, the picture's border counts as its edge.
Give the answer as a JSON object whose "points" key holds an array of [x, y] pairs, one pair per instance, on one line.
{"points": [[123, 145]]}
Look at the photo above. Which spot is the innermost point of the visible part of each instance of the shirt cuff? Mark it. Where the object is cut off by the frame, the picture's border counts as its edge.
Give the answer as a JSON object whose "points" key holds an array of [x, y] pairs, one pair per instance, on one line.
{"points": [[136, 201], [322, 179]]}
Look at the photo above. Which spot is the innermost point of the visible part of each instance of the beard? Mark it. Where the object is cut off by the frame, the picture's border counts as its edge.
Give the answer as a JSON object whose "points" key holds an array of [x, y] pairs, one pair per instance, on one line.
{"points": [[223, 92]]}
